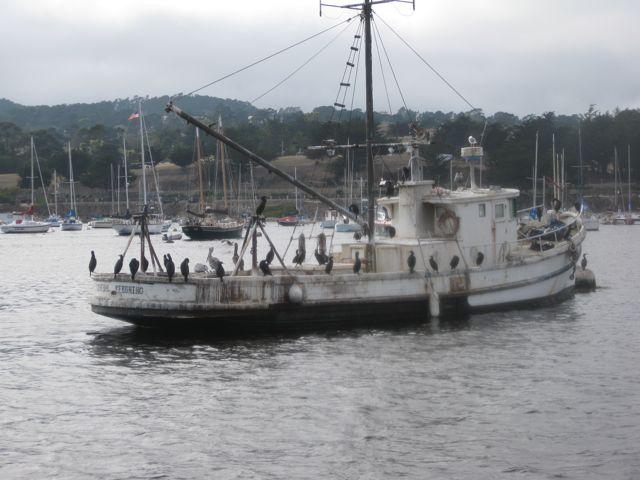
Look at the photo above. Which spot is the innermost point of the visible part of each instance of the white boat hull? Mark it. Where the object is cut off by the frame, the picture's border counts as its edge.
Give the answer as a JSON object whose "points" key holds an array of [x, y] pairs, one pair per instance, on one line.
{"points": [[126, 228], [347, 227], [101, 224], [26, 227], [71, 227]]}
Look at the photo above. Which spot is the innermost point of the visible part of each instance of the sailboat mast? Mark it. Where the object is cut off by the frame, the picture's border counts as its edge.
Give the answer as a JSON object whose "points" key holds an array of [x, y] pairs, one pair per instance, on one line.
{"points": [[118, 188], [222, 162], [126, 177], [112, 199], [367, 14], [580, 162], [144, 176], [629, 178], [199, 160], [32, 195], [72, 203], [615, 178], [535, 174], [55, 190]]}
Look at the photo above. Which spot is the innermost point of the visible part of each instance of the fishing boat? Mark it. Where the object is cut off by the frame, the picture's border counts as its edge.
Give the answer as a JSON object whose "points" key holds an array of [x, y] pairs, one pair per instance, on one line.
{"points": [[212, 223], [453, 251], [25, 222]]}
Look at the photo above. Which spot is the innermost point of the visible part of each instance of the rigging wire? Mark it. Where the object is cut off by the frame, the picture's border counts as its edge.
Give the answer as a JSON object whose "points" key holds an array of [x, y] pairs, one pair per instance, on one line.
{"points": [[274, 54], [431, 67], [395, 78], [301, 66], [384, 79]]}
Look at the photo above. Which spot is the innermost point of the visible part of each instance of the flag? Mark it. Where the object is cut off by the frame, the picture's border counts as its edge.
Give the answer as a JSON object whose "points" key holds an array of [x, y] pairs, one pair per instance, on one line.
{"points": [[133, 116]]}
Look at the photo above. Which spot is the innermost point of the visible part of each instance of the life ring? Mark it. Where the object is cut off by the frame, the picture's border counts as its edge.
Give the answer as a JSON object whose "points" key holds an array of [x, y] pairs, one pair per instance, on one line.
{"points": [[448, 222]]}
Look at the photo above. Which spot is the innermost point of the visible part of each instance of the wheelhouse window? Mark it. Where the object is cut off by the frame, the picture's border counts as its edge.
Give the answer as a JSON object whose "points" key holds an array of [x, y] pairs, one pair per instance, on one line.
{"points": [[500, 210], [482, 210]]}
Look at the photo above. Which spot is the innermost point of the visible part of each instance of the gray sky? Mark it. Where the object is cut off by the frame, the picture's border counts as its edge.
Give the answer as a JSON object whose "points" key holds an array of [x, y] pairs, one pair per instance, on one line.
{"points": [[519, 56]]}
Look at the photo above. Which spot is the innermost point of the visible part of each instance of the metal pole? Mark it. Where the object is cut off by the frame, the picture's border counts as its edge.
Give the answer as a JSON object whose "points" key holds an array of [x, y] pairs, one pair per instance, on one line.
{"points": [[535, 174], [32, 198], [371, 208], [262, 162], [144, 176], [126, 177]]}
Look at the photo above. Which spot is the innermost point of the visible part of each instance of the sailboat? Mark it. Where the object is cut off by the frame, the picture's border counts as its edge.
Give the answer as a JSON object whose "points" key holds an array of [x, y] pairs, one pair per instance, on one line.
{"points": [[71, 221], [25, 222], [105, 222], [155, 222], [54, 219], [210, 223]]}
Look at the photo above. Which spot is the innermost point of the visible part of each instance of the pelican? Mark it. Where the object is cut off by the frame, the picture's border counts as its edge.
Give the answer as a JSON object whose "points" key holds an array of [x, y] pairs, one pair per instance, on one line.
{"points": [[236, 257], [270, 254], [583, 263], [212, 261]]}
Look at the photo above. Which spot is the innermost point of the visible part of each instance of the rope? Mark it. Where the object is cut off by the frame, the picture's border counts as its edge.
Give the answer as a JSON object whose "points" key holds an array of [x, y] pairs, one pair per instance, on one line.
{"points": [[395, 78], [384, 80], [224, 77], [431, 67], [301, 66]]}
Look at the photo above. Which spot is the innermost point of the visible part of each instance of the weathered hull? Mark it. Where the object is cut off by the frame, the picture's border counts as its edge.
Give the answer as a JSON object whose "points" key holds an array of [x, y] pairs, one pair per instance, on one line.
{"points": [[19, 228], [342, 299], [199, 232]]}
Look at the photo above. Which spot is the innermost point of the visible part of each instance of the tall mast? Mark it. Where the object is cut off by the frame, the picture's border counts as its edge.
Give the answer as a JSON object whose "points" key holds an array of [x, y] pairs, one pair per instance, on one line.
{"points": [[199, 160], [32, 196], [71, 192], [222, 162], [118, 188], [126, 178], [535, 174], [144, 176], [629, 177], [580, 164], [367, 14], [112, 199], [55, 190]]}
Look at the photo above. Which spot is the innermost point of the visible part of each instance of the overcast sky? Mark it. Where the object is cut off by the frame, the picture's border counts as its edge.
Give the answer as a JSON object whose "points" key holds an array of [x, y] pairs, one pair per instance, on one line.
{"points": [[519, 56]]}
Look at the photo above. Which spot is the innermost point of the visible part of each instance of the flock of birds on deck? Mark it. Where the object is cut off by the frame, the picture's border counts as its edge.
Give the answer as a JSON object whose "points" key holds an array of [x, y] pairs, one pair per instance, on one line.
{"points": [[217, 267]]}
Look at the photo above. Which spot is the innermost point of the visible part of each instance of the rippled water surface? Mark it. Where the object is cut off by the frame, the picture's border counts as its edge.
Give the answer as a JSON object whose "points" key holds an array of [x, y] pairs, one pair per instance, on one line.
{"points": [[550, 393]]}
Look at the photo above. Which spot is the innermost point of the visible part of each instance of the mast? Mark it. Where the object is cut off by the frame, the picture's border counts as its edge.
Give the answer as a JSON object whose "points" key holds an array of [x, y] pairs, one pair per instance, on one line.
{"points": [[199, 160], [32, 195], [295, 175], [580, 166], [112, 199], [126, 177], [224, 172], [144, 176], [367, 14], [555, 161], [118, 187], [71, 189], [55, 191], [629, 178], [615, 178], [535, 174]]}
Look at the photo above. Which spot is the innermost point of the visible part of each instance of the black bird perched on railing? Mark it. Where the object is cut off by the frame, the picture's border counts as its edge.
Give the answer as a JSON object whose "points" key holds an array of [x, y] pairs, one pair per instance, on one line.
{"points": [[357, 236], [454, 262], [170, 267], [261, 205], [299, 257], [134, 264], [144, 264], [405, 174], [583, 263], [220, 271], [353, 208], [479, 258], [92, 263], [321, 257], [270, 254], [411, 261], [329, 266], [357, 264], [433, 263], [264, 268], [235, 257], [118, 266], [184, 269]]}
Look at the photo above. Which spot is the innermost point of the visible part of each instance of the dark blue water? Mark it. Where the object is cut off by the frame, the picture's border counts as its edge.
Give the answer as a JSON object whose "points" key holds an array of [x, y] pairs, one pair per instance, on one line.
{"points": [[550, 393]]}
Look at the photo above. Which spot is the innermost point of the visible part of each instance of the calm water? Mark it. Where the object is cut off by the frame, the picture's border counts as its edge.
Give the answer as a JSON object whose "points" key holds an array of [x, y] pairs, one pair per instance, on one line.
{"points": [[552, 393]]}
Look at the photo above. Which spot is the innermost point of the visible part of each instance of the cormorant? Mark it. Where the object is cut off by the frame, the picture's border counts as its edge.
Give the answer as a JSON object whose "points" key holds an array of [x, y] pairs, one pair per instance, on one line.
{"points": [[171, 268], [220, 271], [433, 263], [92, 263], [144, 264], [454, 262], [270, 254], [329, 266], [133, 267], [357, 236], [388, 187], [299, 257], [411, 261], [264, 268], [357, 264], [583, 263], [320, 257], [261, 205], [353, 208], [479, 258], [184, 269], [406, 174], [118, 266]]}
